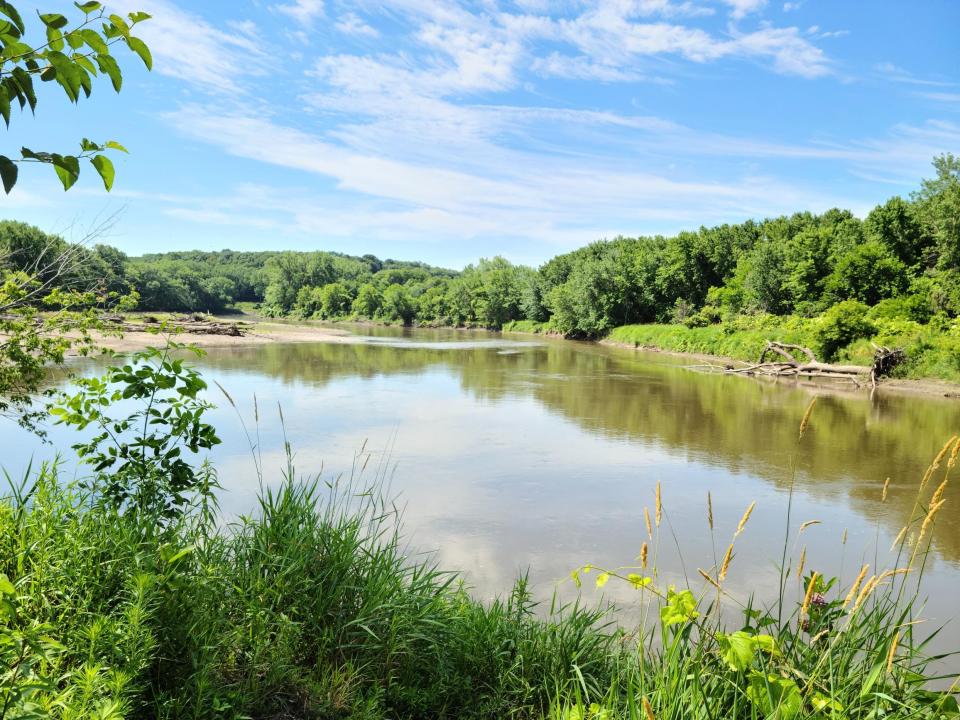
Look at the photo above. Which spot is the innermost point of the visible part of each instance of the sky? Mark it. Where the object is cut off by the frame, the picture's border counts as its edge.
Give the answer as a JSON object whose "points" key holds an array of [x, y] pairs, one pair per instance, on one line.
{"points": [[447, 131]]}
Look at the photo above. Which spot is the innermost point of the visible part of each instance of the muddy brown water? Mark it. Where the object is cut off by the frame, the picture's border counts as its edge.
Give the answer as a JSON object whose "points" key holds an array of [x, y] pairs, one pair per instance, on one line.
{"points": [[512, 454]]}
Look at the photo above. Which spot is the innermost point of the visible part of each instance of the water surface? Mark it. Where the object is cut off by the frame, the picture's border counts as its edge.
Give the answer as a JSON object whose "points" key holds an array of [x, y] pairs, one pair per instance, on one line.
{"points": [[513, 455]]}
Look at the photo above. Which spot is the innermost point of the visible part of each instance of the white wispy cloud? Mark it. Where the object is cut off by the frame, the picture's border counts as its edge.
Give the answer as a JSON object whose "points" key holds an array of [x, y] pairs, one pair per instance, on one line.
{"points": [[894, 73], [504, 192], [187, 47], [742, 8], [352, 24], [945, 97], [304, 12]]}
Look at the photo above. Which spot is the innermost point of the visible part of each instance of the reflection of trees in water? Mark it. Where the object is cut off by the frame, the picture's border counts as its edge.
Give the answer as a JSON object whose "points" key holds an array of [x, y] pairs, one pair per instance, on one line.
{"points": [[743, 425]]}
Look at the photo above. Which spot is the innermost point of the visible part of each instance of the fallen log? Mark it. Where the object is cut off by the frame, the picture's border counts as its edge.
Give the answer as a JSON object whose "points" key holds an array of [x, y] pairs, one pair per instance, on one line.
{"points": [[781, 360]]}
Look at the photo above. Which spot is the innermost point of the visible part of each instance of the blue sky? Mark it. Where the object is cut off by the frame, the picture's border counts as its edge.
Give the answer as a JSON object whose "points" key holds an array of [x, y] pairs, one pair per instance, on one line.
{"points": [[446, 131]]}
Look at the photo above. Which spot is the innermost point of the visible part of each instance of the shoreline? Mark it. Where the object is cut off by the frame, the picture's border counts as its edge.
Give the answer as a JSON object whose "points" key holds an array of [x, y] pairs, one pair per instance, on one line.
{"points": [[907, 386], [262, 331]]}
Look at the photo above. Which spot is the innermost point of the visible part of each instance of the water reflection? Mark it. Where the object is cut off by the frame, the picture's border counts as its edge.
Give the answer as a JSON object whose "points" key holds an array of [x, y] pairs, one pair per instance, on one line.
{"points": [[514, 454]]}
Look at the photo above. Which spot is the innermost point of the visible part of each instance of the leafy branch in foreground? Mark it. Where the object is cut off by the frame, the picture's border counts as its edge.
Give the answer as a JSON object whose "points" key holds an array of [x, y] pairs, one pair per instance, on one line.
{"points": [[72, 58], [137, 457]]}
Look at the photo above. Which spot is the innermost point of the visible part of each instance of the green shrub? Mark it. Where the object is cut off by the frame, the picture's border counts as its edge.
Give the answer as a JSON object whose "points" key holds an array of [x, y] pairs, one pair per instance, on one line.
{"points": [[841, 325]]}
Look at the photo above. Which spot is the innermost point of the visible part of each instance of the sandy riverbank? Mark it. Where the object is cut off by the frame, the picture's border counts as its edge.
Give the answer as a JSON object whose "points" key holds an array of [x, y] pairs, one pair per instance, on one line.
{"points": [[254, 332]]}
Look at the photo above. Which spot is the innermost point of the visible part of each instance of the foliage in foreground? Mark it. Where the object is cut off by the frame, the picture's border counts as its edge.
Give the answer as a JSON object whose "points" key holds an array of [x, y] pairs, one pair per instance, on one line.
{"points": [[120, 601], [310, 609]]}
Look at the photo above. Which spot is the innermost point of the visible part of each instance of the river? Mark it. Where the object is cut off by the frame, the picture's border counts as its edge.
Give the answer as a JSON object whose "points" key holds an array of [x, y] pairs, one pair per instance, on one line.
{"points": [[513, 454]]}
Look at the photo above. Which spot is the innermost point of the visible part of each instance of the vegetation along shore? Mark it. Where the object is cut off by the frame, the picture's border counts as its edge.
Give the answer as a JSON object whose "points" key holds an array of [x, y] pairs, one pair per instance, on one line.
{"points": [[830, 282]]}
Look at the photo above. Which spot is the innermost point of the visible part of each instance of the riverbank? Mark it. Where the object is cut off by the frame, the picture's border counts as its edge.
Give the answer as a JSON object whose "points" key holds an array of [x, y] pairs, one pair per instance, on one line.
{"points": [[251, 330], [933, 358], [694, 344]]}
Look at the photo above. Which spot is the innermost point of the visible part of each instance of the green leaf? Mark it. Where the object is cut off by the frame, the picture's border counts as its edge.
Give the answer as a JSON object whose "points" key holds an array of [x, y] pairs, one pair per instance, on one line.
{"points": [[141, 49], [108, 65], [121, 25], [823, 702], [93, 39], [736, 650], [681, 607], [5, 104], [54, 39], [67, 168], [85, 63], [114, 145], [11, 31], [25, 84], [88, 7], [11, 12], [638, 581], [8, 172], [872, 678], [68, 74], [139, 16], [777, 697], [53, 20], [75, 40], [6, 587], [105, 167]]}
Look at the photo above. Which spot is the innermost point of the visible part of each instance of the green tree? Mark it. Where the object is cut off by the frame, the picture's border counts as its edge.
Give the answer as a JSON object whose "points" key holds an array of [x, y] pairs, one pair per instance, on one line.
{"points": [[368, 301], [398, 304], [335, 300], [72, 57], [938, 206], [764, 278], [897, 226], [869, 273]]}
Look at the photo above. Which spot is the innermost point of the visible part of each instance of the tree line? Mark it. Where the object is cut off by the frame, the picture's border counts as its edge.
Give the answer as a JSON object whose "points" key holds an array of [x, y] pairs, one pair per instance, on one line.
{"points": [[903, 257]]}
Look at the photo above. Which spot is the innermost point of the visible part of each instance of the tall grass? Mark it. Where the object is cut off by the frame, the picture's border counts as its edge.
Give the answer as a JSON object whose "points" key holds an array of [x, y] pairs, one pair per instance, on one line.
{"points": [[311, 607], [307, 608]]}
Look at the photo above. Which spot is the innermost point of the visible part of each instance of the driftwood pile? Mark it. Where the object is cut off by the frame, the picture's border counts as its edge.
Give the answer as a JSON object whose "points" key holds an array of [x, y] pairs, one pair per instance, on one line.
{"points": [[194, 324], [781, 360]]}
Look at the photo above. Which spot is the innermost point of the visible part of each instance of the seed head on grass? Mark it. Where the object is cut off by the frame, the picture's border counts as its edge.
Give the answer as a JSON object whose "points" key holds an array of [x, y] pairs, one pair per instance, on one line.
{"points": [[725, 565], [648, 711], [706, 576], [659, 513], [892, 653], [746, 516], [899, 538], [936, 461], [886, 486], [643, 556], [856, 585], [928, 520], [806, 600], [646, 519], [803, 561], [709, 511], [808, 523], [865, 592]]}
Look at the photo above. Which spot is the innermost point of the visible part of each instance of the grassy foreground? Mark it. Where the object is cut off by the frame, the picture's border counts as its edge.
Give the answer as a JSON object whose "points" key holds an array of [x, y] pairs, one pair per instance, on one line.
{"points": [[310, 609]]}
